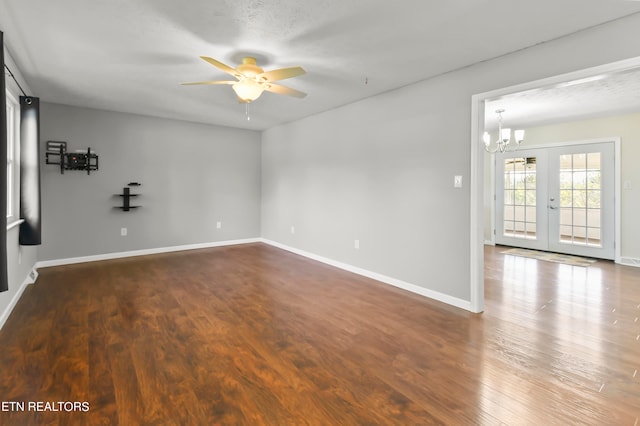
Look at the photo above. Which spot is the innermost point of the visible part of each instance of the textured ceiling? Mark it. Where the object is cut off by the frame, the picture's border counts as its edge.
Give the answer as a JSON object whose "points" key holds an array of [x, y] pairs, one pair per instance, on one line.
{"points": [[131, 55], [607, 94]]}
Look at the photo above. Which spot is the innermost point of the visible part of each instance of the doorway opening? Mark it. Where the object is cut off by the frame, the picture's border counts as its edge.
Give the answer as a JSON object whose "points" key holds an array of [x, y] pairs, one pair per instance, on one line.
{"points": [[481, 166]]}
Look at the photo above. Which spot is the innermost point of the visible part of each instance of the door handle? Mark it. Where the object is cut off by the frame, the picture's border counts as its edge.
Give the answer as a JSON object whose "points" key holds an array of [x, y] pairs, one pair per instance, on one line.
{"points": [[552, 207]]}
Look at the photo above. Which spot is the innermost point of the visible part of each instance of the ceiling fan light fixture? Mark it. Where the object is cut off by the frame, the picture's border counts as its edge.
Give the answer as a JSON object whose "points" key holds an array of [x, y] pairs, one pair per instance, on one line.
{"points": [[247, 90]]}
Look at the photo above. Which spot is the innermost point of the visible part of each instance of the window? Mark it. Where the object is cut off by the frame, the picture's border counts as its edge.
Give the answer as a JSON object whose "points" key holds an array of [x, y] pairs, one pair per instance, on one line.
{"points": [[12, 143]]}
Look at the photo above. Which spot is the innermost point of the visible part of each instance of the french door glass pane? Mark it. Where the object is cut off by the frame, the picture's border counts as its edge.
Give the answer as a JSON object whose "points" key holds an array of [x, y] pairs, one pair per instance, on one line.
{"points": [[593, 236], [519, 207], [579, 162], [594, 218], [566, 233], [594, 199], [579, 217], [580, 199], [566, 216], [593, 180], [593, 161]]}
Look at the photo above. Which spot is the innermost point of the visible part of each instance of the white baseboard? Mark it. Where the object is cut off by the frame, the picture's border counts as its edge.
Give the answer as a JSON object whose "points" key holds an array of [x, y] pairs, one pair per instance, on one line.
{"points": [[630, 261], [119, 255], [441, 297], [30, 279]]}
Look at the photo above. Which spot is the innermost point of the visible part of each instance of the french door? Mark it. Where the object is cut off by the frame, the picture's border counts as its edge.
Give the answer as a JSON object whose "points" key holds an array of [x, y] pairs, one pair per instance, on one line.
{"points": [[558, 199]]}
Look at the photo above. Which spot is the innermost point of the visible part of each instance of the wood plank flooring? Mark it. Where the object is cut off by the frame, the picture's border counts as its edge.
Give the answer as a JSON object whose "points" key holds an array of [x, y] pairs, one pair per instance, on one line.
{"points": [[254, 335]]}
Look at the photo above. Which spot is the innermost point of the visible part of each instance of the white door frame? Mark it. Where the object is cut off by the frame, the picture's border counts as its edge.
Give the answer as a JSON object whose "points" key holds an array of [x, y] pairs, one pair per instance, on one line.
{"points": [[476, 179]]}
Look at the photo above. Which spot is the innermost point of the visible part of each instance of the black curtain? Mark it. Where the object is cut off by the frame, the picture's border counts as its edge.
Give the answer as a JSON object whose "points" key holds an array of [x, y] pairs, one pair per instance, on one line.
{"points": [[30, 233], [4, 278]]}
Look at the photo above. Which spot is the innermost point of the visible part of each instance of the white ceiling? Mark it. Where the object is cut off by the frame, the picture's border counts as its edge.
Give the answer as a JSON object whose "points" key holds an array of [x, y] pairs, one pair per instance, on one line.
{"points": [[131, 55]]}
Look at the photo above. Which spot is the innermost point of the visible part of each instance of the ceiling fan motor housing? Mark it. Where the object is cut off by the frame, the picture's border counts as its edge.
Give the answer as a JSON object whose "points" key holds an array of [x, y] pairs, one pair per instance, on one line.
{"points": [[249, 68]]}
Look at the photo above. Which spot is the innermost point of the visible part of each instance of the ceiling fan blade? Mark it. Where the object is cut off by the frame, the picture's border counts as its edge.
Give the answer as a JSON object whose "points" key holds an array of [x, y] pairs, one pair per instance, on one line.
{"points": [[209, 82], [280, 74], [283, 90], [222, 67]]}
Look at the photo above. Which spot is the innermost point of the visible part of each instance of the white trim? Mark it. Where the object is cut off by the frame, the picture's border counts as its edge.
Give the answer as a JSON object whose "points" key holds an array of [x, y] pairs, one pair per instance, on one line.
{"points": [[617, 143], [476, 209], [476, 180], [492, 197], [30, 279], [14, 223], [615, 139], [629, 261], [13, 142], [441, 297], [144, 252]]}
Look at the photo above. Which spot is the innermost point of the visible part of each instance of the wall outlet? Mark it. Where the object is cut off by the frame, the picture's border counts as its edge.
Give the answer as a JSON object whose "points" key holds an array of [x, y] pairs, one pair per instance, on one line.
{"points": [[293, 229], [123, 232], [218, 225], [356, 244]]}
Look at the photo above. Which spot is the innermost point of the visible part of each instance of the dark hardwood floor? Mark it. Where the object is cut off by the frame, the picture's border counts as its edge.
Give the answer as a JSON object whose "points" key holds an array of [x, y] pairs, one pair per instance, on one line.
{"points": [[255, 335]]}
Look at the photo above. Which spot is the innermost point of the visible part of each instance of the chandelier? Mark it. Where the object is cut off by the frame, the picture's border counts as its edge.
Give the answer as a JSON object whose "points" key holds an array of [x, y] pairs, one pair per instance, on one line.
{"points": [[504, 137]]}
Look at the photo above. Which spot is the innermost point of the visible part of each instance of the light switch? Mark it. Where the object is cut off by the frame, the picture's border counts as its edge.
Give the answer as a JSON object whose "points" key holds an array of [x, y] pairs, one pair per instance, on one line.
{"points": [[457, 181]]}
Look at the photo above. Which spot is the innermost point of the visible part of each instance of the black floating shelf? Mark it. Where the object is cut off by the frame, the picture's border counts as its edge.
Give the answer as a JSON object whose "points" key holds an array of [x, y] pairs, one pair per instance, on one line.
{"points": [[126, 202]]}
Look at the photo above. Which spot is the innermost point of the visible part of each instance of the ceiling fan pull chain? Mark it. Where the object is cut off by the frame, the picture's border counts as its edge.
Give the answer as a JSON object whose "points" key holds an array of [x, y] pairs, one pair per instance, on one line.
{"points": [[246, 111]]}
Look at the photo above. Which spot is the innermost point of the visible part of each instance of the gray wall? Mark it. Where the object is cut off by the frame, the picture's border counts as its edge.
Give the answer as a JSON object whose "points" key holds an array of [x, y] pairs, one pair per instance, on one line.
{"points": [[192, 176], [371, 171], [381, 170]]}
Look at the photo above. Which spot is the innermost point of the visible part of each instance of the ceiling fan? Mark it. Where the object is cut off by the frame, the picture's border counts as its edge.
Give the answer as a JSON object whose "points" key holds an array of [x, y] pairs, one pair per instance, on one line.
{"points": [[251, 80]]}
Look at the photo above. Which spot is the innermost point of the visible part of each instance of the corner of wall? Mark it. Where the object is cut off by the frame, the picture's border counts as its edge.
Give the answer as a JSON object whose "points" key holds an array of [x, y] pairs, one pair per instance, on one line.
{"points": [[31, 278]]}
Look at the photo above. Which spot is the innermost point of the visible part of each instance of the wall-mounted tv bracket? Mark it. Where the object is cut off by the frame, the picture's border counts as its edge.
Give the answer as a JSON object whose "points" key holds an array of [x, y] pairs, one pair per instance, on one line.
{"points": [[57, 154], [126, 197]]}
